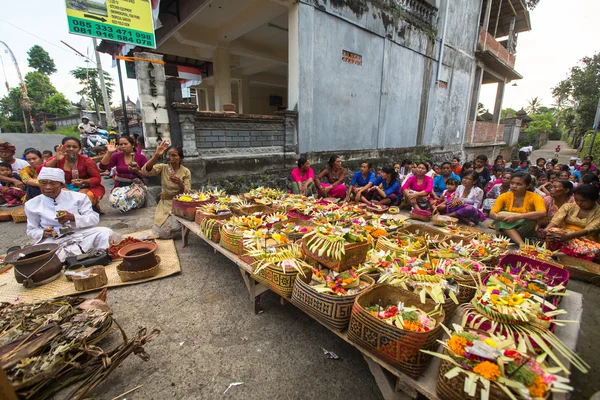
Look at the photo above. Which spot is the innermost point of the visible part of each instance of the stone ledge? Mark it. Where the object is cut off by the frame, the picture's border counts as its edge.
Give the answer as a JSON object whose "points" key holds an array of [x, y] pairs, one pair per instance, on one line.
{"points": [[488, 144], [230, 115]]}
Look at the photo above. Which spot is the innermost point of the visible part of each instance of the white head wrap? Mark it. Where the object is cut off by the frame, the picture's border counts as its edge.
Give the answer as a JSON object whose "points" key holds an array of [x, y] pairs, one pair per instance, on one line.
{"points": [[52, 174]]}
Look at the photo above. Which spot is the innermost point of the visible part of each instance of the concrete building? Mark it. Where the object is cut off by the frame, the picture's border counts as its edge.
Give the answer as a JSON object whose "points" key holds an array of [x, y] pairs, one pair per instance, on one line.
{"points": [[377, 80]]}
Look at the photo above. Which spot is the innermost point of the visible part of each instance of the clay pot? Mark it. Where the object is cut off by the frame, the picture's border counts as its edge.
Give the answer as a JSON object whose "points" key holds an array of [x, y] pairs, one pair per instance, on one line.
{"points": [[138, 256], [35, 265]]}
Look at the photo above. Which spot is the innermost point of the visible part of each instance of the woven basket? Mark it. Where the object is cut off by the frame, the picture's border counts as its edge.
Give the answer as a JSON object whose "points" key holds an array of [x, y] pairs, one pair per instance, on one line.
{"points": [[279, 281], [230, 240], [419, 229], [580, 269], [453, 389], [185, 209], [467, 288], [201, 216], [127, 276], [332, 310], [249, 210], [443, 220], [215, 234], [396, 250], [398, 347], [495, 316], [450, 308], [18, 215], [355, 253], [5, 215]]}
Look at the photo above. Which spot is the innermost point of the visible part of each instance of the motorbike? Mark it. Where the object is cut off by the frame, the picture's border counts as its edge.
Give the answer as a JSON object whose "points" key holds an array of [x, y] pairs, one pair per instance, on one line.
{"points": [[94, 142]]}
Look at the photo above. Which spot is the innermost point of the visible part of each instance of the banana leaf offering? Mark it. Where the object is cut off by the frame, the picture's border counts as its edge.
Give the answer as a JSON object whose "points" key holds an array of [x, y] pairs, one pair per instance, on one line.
{"points": [[331, 240]]}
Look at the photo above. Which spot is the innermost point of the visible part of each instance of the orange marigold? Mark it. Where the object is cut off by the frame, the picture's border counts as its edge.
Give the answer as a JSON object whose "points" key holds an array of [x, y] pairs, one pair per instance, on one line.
{"points": [[457, 345], [488, 370], [413, 326], [539, 388]]}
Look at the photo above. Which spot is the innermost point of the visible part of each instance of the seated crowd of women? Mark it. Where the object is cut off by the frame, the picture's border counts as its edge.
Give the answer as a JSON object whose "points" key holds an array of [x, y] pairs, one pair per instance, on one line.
{"points": [[545, 200], [125, 163]]}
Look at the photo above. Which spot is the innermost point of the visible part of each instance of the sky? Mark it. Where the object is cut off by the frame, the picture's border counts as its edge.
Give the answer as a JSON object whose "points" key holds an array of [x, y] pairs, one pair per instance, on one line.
{"points": [[46, 24], [562, 33]]}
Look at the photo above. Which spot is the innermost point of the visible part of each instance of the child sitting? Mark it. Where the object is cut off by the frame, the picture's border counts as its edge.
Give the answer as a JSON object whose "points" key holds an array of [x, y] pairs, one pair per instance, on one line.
{"points": [[439, 205], [10, 194]]}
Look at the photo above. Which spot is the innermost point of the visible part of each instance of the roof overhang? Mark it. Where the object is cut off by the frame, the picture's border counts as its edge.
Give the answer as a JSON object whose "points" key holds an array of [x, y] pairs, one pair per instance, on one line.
{"points": [[501, 14], [497, 66]]}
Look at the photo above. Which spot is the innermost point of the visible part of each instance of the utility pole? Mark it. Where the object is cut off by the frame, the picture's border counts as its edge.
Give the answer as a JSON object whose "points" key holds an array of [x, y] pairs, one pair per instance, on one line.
{"points": [[25, 103], [107, 109]]}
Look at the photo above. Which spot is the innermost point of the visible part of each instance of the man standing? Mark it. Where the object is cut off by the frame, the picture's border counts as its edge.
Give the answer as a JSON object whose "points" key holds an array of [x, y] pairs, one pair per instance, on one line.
{"points": [[573, 164], [86, 125], [58, 208]]}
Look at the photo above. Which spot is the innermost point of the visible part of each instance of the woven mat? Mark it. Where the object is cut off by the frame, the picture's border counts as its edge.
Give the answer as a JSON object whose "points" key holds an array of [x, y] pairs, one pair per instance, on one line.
{"points": [[11, 291]]}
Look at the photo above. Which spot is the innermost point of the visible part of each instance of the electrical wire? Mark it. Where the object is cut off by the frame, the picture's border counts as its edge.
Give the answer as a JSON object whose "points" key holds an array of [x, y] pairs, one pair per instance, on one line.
{"points": [[42, 39]]}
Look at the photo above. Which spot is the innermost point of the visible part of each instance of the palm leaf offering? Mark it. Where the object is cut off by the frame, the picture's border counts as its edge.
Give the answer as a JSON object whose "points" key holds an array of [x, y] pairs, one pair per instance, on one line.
{"points": [[47, 346], [286, 257], [325, 280], [484, 361], [331, 240], [426, 278]]}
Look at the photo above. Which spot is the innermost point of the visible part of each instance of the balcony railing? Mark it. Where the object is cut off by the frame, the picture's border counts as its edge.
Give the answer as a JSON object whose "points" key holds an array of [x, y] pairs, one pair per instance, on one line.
{"points": [[418, 11], [489, 43]]}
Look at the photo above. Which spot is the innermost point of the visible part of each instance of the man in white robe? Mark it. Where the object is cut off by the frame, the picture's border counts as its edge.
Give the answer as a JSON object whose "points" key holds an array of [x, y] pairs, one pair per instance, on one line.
{"points": [[43, 225]]}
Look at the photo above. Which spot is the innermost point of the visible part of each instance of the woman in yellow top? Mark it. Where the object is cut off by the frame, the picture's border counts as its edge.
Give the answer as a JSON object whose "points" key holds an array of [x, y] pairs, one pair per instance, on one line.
{"points": [[515, 213], [174, 179], [578, 219]]}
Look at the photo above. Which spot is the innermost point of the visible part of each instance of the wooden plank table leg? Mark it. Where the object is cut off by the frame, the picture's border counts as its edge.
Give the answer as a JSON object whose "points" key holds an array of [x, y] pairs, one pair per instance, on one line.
{"points": [[385, 382], [254, 294], [184, 235]]}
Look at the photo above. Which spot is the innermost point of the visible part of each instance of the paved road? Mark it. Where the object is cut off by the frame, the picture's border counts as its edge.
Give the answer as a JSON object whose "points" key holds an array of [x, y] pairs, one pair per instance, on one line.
{"points": [[547, 152], [36, 140]]}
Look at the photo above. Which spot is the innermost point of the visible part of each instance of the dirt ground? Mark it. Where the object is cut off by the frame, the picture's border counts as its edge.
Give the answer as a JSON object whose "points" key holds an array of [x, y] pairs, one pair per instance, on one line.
{"points": [[211, 337]]}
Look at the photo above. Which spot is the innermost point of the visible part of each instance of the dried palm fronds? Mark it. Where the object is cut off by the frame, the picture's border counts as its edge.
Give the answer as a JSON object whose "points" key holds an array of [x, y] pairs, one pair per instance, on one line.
{"points": [[46, 346]]}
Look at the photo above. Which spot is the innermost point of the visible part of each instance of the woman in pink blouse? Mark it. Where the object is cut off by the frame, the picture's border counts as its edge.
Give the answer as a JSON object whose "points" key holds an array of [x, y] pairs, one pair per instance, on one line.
{"points": [[417, 188], [303, 178], [127, 161]]}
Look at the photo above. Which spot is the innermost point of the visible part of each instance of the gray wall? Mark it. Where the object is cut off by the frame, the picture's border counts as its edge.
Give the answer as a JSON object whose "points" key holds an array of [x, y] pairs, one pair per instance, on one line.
{"points": [[392, 100]]}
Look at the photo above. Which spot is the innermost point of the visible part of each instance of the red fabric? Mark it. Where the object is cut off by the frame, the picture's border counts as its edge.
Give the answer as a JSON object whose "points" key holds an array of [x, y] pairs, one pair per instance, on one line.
{"points": [[87, 169]]}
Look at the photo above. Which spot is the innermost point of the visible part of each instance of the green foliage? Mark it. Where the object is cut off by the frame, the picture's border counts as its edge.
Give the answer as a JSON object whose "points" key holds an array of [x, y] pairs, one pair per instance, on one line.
{"points": [[65, 130], [51, 126], [13, 127], [39, 88], [10, 105], [586, 145], [582, 87], [531, 4], [40, 60], [88, 78], [505, 112], [541, 123], [534, 105], [57, 104]]}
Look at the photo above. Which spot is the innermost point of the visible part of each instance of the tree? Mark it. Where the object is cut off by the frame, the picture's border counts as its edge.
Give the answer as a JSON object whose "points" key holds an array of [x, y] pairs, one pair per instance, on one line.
{"points": [[531, 4], [57, 104], [534, 105], [40, 60], [88, 77], [10, 105], [39, 88], [581, 88], [505, 113]]}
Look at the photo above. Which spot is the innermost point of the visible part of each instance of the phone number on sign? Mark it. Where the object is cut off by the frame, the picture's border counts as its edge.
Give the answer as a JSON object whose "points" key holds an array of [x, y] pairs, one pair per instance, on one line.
{"points": [[107, 32]]}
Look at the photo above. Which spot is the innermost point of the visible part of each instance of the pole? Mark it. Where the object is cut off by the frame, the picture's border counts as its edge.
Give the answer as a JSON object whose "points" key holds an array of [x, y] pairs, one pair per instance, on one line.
{"points": [[123, 104], [25, 103], [107, 110], [596, 123]]}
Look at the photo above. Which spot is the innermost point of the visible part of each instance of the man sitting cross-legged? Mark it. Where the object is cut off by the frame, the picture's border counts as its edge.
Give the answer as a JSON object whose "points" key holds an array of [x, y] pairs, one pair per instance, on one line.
{"points": [[56, 207]]}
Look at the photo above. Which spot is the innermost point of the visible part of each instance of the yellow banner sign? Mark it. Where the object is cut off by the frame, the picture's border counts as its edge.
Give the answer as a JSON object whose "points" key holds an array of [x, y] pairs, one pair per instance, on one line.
{"points": [[126, 21]]}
